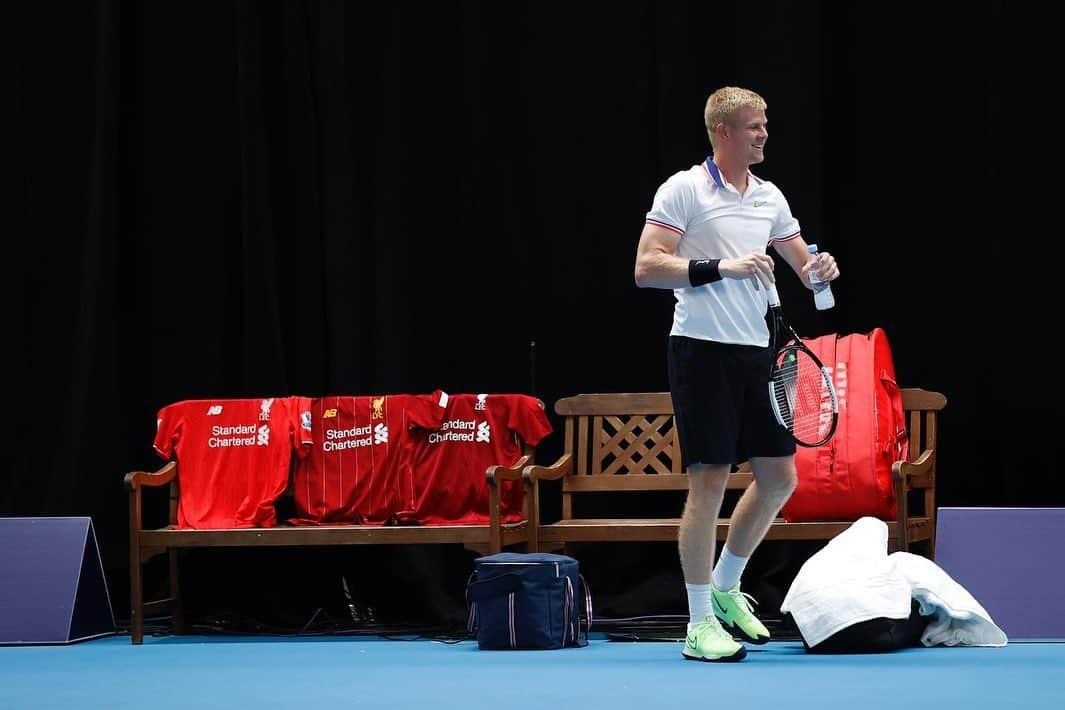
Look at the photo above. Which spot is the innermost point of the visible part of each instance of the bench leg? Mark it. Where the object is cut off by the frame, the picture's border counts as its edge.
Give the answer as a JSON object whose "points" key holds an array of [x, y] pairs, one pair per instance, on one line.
{"points": [[177, 606], [136, 594]]}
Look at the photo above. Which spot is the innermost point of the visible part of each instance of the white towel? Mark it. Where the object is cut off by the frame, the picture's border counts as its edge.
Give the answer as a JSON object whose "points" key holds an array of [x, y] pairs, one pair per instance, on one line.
{"points": [[848, 581], [957, 618], [853, 579]]}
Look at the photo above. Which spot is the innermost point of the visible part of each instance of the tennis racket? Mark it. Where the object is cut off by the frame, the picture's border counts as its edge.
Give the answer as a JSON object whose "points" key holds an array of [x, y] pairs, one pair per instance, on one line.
{"points": [[800, 387]]}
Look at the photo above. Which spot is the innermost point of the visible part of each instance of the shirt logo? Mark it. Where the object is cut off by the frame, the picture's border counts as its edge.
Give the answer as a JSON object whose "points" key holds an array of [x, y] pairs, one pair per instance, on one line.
{"points": [[329, 413], [214, 410], [759, 203], [262, 437], [264, 410], [380, 434], [484, 432], [481, 404], [378, 408], [305, 420]]}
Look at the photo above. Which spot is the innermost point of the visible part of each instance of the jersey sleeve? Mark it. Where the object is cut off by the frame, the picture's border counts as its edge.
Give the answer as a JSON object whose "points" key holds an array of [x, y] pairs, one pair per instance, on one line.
{"points": [[672, 205], [526, 417], [302, 441], [168, 425], [785, 226], [427, 411]]}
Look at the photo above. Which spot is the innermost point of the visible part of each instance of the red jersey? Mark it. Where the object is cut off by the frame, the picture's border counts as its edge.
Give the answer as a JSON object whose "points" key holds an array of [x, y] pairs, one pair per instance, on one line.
{"points": [[361, 448], [233, 456], [449, 464]]}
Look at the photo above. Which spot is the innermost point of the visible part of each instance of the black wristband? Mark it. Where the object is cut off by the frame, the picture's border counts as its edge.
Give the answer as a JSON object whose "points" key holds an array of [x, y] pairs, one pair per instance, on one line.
{"points": [[703, 271]]}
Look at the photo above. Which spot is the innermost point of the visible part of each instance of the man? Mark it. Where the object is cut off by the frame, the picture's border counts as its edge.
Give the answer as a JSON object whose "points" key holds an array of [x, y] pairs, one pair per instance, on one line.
{"points": [[706, 237]]}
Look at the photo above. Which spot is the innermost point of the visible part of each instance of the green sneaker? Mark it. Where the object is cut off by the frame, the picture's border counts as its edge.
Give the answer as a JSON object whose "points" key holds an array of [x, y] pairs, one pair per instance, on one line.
{"points": [[734, 609], [709, 642]]}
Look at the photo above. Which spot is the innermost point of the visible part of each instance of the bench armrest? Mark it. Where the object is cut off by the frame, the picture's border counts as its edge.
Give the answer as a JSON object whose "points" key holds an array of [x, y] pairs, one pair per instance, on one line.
{"points": [[905, 471], [555, 471], [135, 481], [506, 473], [163, 476], [495, 475], [917, 474], [533, 475]]}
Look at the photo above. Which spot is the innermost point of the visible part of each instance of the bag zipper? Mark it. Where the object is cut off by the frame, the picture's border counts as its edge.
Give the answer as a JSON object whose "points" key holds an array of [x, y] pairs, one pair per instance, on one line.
{"points": [[558, 572]]}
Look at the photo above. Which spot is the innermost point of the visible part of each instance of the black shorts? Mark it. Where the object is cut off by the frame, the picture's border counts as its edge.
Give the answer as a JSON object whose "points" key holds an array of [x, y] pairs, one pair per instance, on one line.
{"points": [[721, 401]]}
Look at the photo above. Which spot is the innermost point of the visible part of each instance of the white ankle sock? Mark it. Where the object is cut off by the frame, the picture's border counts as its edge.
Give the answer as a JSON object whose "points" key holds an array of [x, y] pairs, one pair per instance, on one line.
{"points": [[728, 570], [698, 603]]}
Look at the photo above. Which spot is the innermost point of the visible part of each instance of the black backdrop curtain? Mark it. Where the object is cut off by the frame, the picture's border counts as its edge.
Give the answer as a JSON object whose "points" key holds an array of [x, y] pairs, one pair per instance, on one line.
{"points": [[226, 199]]}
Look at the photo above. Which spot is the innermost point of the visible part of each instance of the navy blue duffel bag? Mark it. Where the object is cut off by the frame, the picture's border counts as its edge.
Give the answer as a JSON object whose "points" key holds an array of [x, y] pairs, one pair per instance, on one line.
{"points": [[528, 601]]}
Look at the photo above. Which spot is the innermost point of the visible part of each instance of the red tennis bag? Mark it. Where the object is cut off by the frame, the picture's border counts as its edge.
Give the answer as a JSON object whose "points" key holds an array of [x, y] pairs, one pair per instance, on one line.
{"points": [[850, 476]]}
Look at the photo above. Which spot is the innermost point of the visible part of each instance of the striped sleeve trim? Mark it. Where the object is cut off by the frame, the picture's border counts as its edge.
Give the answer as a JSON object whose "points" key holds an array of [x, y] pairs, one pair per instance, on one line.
{"points": [[665, 225], [788, 238]]}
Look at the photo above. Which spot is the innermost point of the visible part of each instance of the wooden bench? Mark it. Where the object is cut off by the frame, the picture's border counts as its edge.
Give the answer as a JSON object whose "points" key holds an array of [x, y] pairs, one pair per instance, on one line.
{"points": [[627, 442], [145, 544]]}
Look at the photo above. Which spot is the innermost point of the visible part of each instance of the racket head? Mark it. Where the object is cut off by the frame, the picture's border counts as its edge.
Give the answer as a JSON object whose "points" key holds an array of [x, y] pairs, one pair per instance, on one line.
{"points": [[802, 395]]}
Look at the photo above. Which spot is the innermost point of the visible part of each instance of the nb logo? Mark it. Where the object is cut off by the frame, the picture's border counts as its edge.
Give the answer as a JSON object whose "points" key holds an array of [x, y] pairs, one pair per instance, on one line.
{"points": [[262, 437], [329, 413], [380, 434], [214, 410], [484, 432]]}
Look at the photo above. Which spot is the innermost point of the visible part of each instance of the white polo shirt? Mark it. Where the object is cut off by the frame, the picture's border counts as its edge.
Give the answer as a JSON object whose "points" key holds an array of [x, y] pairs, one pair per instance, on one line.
{"points": [[716, 222]]}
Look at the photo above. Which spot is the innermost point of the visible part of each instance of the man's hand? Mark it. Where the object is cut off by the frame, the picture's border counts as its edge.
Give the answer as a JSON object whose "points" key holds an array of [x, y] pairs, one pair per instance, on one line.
{"points": [[823, 265], [756, 266]]}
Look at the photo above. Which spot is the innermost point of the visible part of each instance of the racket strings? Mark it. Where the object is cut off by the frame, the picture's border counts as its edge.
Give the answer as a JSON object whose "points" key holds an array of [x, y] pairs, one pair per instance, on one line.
{"points": [[803, 396]]}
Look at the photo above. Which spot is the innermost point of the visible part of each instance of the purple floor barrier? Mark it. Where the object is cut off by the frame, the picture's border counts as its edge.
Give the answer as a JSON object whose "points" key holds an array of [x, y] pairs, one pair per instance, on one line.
{"points": [[1013, 561], [52, 585]]}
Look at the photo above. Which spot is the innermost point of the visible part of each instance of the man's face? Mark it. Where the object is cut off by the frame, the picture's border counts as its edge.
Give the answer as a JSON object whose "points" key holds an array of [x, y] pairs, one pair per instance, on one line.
{"points": [[748, 134]]}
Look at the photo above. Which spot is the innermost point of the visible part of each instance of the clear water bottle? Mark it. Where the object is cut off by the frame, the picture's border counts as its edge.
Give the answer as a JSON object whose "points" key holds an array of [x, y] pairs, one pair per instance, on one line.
{"points": [[823, 298]]}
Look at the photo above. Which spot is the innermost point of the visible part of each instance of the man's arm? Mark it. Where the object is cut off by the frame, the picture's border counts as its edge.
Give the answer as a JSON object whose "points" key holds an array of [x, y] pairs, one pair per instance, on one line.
{"points": [[657, 265]]}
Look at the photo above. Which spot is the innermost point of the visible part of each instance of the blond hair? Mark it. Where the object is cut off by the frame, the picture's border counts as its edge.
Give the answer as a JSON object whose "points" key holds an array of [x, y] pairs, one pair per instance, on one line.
{"points": [[725, 103]]}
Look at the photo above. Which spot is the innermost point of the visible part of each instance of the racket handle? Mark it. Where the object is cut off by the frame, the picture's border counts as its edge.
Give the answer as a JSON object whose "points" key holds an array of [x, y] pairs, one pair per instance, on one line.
{"points": [[774, 297]]}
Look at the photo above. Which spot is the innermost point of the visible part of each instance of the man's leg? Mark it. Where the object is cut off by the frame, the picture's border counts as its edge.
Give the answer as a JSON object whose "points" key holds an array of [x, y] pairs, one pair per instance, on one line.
{"points": [[774, 481], [698, 526], [697, 540]]}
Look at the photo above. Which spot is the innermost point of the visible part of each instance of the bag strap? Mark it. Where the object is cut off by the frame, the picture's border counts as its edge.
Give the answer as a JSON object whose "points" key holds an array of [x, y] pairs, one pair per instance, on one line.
{"points": [[471, 607], [579, 634], [587, 602], [901, 438], [569, 625]]}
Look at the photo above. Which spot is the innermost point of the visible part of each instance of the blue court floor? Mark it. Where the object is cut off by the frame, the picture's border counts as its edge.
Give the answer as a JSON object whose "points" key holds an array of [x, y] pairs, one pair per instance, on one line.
{"points": [[240, 672]]}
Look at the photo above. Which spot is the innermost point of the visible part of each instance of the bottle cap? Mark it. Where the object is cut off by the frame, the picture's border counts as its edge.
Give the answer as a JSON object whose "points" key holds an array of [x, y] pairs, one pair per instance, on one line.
{"points": [[811, 248]]}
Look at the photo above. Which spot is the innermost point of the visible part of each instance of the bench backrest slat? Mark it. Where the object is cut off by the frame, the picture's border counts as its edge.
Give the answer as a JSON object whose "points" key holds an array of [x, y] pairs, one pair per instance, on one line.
{"points": [[628, 441]]}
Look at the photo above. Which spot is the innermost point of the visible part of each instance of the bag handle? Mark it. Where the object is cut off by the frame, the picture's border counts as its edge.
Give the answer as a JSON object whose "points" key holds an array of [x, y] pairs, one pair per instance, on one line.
{"points": [[579, 635], [901, 437], [587, 603], [471, 607]]}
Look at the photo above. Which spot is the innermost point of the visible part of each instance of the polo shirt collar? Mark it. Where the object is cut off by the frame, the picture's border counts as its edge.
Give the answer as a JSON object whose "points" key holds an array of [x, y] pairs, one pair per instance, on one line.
{"points": [[715, 173]]}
